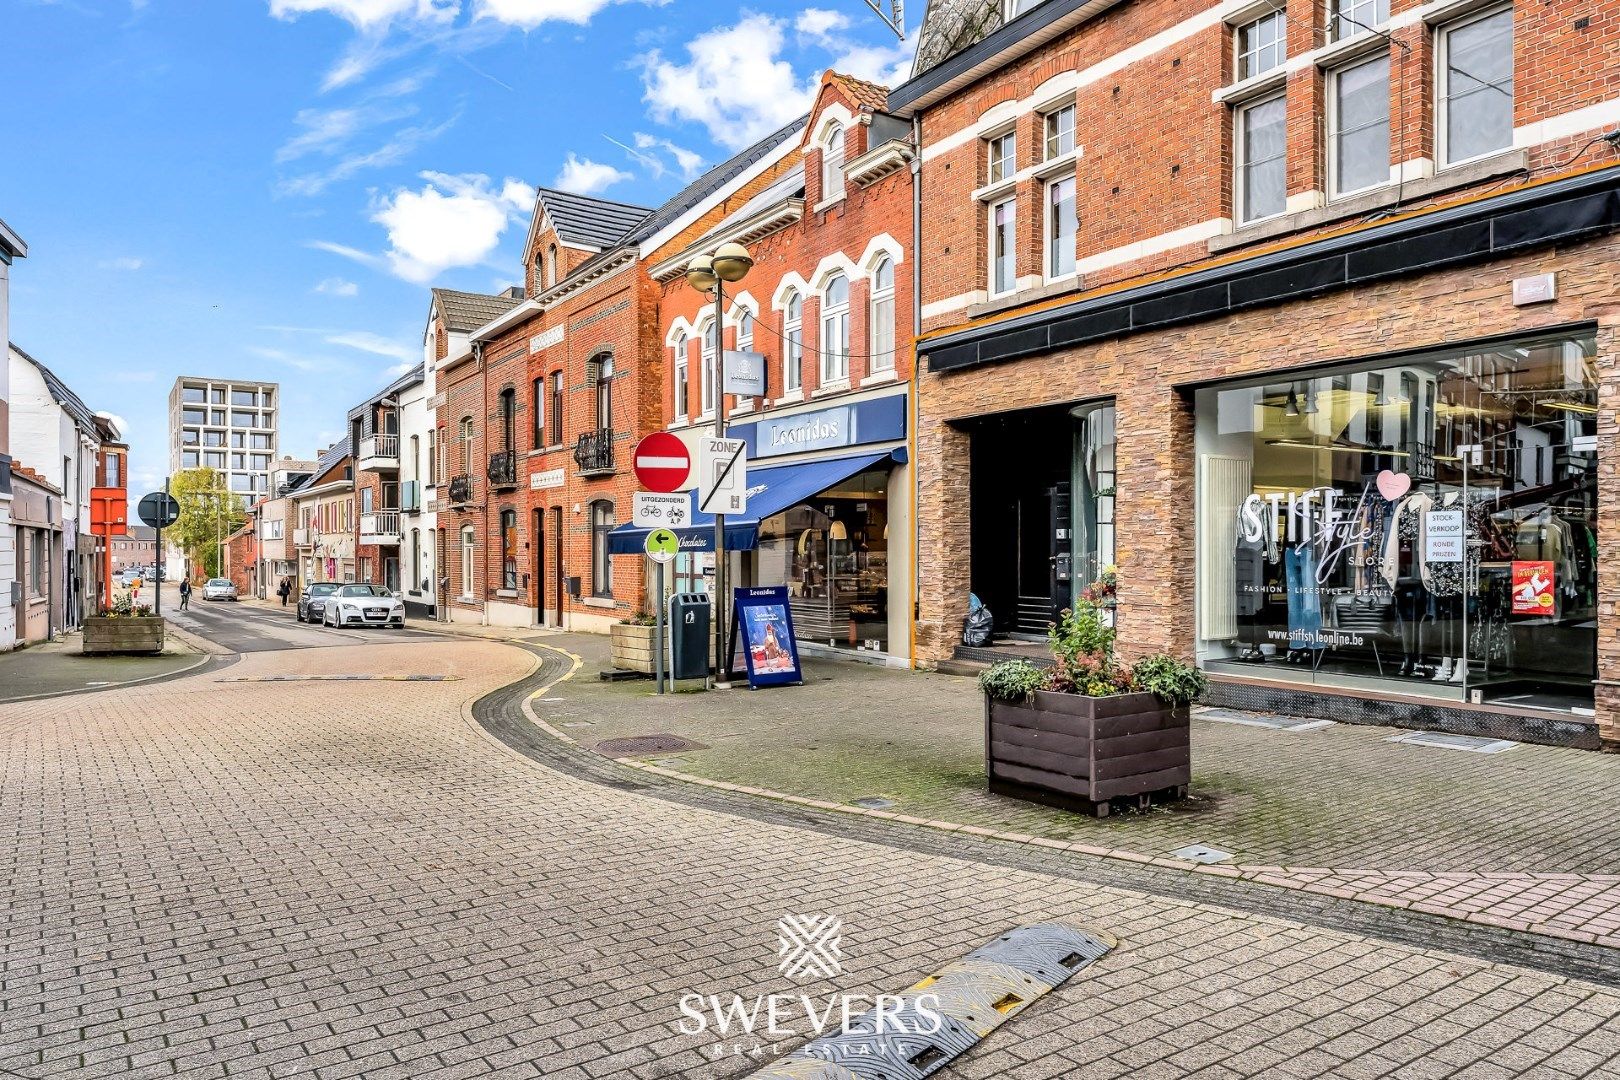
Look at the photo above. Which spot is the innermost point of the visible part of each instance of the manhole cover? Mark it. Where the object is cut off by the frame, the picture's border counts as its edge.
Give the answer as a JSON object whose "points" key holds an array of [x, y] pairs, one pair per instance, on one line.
{"points": [[1471, 743], [638, 745], [873, 802], [1201, 853]]}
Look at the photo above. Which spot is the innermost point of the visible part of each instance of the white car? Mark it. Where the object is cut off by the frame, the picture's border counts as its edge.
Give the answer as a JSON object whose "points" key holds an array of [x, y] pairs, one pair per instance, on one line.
{"points": [[363, 605], [218, 589]]}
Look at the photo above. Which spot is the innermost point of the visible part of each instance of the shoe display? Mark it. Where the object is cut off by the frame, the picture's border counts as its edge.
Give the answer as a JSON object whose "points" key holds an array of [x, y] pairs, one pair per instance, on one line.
{"points": [[1443, 672]]}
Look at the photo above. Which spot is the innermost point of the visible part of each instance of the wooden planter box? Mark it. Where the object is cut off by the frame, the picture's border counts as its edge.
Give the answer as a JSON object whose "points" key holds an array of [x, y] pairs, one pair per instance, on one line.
{"points": [[632, 647], [111, 637], [1080, 752]]}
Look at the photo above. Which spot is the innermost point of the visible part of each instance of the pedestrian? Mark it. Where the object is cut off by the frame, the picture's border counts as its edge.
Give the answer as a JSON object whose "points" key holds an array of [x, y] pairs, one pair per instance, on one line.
{"points": [[185, 593], [285, 590]]}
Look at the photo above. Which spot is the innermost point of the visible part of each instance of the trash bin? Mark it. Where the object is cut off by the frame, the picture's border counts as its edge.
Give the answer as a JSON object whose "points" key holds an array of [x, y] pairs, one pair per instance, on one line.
{"points": [[689, 615]]}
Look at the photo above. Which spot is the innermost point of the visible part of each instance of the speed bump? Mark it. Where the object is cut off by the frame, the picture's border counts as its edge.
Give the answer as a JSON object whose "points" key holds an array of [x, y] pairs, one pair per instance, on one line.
{"points": [[944, 1015]]}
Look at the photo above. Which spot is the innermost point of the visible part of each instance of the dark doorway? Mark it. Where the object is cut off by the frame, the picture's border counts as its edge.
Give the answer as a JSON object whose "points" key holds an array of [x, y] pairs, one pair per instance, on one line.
{"points": [[556, 542], [540, 568], [1022, 550]]}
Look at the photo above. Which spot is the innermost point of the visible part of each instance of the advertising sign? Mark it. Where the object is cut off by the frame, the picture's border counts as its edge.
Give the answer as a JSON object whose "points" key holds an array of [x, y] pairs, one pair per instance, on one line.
{"points": [[1443, 536], [745, 373], [1533, 588], [765, 623]]}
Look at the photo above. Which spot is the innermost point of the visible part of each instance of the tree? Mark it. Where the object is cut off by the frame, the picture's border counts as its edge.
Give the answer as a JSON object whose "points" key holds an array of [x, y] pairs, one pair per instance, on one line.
{"points": [[209, 512]]}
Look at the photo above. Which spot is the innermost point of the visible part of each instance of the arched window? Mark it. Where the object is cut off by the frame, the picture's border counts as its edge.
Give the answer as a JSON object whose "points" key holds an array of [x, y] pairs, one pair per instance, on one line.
{"points": [[835, 330], [539, 272], [601, 563], [711, 342], [508, 419], [469, 541], [466, 445], [604, 392], [680, 377], [551, 265], [832, 162], [509, 570], [882, 351], [793, 343], [745, 330]]}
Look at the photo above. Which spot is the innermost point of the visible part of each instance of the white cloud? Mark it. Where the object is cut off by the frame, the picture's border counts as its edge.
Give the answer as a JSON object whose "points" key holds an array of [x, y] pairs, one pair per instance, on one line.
{"points": [[377, 345], [583, 176], [886, 65], [336, 286], [292, 360], [123, 262], [688, 162], [390, 152], [366, 14], [817, 23], [452, 221], [736, 84], [529, 14]]}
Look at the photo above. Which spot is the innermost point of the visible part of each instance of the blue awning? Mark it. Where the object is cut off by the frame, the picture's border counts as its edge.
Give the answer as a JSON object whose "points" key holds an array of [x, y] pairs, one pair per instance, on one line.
{"points": [[770, 491]]}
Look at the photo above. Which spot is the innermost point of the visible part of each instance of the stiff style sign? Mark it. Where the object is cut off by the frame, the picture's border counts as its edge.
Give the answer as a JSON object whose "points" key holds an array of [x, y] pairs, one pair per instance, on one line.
{"points": [[662, 462]]}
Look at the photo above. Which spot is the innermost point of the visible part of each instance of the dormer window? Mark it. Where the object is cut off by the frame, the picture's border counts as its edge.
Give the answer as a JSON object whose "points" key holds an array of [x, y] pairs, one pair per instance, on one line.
{"points": [[832, 162]]}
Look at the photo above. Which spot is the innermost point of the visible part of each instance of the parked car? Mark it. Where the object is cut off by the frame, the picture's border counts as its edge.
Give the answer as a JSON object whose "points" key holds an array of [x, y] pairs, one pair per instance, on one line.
{"points": [[218, 589], [312, 601], [364, 605]]}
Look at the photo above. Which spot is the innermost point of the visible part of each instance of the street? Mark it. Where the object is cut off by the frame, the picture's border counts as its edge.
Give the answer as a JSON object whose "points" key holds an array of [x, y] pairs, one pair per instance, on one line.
{"points": [[264, 871], [247, 627]]}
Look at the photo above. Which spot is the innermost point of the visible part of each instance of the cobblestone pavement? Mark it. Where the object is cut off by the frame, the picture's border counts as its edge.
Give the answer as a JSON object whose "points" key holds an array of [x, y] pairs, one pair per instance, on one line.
{"points": [[1522, 839], [351, 879]]}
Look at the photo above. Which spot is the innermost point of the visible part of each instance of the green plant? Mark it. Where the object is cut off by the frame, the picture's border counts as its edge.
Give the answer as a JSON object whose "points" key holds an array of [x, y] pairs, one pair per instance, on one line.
{"points": [[1172, 681], [123, 608], [640, 618], [1012, 680], [1081, 634]]}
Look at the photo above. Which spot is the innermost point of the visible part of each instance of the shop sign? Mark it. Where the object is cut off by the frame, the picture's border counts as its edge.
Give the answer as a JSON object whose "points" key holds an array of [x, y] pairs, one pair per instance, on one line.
{"points": [[551, 478], [875, 420], [1443, 536], [763, 620], [745, 373], [1533, 588]]}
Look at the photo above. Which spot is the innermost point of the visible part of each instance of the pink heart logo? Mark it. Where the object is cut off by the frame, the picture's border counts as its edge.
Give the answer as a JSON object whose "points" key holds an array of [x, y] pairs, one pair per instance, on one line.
{"points": [[1392, 485]]}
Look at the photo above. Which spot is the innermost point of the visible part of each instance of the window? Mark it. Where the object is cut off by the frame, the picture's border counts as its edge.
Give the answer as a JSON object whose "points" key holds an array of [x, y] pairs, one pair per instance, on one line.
{"points": [[832, 163], [882, 358], [711, 334], [537, 404], [1476, 87], [540, 282], [1060, 132], [601, 564], [192, 394], [468, 543], [238, 440], [416, 458], [36, 563], [189, 436], [508, 419], [1262, 163], [1262, 45], [509, 565], [432, 458], [793, 343], [259, 442], [835, 330], [1003, 236], [260, 461], [188, 459], [680, 377], [1003, 158], [214, 459], [1061, 228], [243, 419], [466, 445], [114, 472], [745, 331], [244, 397], [556, 409], [365, 500], [213, 438], [551, 265], [1358, 126], [193, 416], [1352, 17], [604, 392], [217, 395], [238, 461]]}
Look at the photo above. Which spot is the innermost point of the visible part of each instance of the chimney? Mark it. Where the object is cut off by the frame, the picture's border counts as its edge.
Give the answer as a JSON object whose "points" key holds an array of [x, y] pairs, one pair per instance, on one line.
{"points": [[515, 292]]}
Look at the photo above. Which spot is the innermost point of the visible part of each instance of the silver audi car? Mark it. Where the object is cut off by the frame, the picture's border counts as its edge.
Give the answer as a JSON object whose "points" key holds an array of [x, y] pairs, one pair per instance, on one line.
{"points": [[363, 605]]}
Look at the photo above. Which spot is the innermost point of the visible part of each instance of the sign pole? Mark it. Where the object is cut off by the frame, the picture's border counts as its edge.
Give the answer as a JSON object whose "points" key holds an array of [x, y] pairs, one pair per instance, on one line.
{"points": [[658, 631], [157, 571], [722, 670]]}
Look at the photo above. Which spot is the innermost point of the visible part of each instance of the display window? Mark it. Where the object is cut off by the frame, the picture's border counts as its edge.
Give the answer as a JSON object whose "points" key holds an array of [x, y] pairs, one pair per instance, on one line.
{"points": [[1421, 524]]}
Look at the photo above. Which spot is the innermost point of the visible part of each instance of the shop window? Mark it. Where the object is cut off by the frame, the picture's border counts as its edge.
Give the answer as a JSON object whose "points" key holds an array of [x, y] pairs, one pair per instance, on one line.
{"points": [[1262, 45], [1262, 159], [1002, 158], [680, 369], [1003, 247], [1476, 87], [1062, 228], [509, 542], [1352, 17], [1358, 126], [835, 330], [1419, 524], [793, 343], [1060, 132], [832, 162], [601, 563], [882, 320]]}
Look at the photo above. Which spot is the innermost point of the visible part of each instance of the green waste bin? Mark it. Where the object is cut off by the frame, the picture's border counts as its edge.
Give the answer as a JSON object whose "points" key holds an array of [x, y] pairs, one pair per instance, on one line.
{"points": [[689, 615]]}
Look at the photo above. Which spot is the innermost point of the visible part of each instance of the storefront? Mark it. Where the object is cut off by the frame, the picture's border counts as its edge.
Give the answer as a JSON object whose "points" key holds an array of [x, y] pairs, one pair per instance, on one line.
{"points": [[1415, 525]]}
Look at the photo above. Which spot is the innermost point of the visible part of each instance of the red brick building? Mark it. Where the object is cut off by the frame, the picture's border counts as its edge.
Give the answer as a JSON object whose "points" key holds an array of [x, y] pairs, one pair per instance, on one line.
{"points": [[1260, 302], [826, 311]]}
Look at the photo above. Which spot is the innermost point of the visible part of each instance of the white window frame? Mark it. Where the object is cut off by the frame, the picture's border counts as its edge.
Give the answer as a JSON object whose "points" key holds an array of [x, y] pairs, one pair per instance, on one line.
{"points": [[834, 343], [990, 225], [1239, 188], [832, 162], [469, 547], [1442, 106], [793, 343], [708, 356], [881, 353], [1073, 111], [1049, 232], [1351, 29], [1331, 85], [1010, 160], [683, 401], [745, 330], [1280, 16]]}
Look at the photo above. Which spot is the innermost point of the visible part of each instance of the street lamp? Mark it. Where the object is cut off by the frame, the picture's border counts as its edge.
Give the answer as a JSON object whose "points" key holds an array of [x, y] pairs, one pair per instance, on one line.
{"points": [[729, 263]]}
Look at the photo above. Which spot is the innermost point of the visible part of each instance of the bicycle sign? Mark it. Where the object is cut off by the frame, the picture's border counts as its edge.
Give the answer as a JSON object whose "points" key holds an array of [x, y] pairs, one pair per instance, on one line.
{"points": [[651, 509]]}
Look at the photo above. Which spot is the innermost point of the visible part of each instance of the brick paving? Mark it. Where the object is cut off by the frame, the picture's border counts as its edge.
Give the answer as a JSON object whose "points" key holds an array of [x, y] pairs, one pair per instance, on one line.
{"points": [[334, 879], [1519, 839]]}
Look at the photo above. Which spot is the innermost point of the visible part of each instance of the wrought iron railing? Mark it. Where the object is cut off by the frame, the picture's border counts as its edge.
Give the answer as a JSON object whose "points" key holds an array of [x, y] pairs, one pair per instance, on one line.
{"points": [[594, 452], [503, 468], [461, 488]]}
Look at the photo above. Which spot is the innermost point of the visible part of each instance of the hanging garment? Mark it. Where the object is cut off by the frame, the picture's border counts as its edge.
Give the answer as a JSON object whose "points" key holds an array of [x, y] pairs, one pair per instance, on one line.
{"points": [[1402, 558], [1304, 597]]}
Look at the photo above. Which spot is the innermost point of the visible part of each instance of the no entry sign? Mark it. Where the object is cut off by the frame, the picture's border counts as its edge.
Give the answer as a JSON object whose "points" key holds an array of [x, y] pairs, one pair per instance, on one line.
{"points": [[662, 462]]}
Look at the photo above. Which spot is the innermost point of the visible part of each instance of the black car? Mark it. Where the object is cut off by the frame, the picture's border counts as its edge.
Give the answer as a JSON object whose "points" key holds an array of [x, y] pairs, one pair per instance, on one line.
{"points": [[312, 601]]}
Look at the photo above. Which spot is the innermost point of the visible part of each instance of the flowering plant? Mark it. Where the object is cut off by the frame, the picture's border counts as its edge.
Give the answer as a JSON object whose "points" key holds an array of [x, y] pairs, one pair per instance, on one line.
{"points": [[124, 608]]}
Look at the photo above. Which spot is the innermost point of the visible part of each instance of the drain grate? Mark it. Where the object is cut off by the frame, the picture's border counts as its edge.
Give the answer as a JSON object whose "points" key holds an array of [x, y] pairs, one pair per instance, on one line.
{"points": [[1202, 853], [1265, 720], [873, 802], [639, 745], [1473, 744]]}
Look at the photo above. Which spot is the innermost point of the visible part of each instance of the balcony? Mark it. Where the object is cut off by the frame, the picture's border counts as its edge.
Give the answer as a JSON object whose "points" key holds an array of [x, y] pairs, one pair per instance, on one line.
{"points": [[461, 489], [303, 537], [379, 453], [503, 469], [594, 453], [380, 528]]}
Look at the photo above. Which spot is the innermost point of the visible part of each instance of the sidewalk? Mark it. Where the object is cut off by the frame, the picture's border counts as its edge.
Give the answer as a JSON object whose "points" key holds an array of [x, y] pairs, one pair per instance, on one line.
{"points": [[1526, 838], [56, 667]]}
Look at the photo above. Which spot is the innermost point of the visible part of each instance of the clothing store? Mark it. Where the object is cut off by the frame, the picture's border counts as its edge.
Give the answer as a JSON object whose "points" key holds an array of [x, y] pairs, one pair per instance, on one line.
{"points": [[1422, 525]]}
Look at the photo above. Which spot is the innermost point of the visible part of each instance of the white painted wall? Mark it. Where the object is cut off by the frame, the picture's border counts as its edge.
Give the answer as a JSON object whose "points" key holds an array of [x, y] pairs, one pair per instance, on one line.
{"points": [[8, 535], [416, 422]]}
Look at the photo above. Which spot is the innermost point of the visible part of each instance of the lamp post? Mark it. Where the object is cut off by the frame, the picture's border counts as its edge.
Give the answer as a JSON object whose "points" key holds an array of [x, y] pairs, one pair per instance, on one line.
{"points": [[729, 263]]}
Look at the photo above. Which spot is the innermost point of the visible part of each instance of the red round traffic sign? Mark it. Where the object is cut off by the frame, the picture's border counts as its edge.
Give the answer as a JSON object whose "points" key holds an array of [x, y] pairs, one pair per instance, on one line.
{"points": [[662, 462]]}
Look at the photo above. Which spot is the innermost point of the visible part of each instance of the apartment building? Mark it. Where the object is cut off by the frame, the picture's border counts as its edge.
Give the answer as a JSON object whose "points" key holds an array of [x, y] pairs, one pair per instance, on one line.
{"points": [[1250, 301], [326, 530], [228, 425]]}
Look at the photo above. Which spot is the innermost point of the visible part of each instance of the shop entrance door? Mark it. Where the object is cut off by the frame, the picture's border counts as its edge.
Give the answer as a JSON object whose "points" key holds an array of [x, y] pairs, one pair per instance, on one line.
{"points": [[1043, 558]]}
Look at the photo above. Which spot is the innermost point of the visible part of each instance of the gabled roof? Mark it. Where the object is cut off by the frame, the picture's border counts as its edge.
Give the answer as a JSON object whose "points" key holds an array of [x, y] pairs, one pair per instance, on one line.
{"points": [[71, 403], [861, 94], [468, 311], [586, 221], [409, 379], [330, 459]]}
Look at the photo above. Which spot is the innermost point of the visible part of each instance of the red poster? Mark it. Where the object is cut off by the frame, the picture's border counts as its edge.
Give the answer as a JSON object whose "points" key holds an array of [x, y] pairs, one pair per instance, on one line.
{"points": [[1532, 588]]}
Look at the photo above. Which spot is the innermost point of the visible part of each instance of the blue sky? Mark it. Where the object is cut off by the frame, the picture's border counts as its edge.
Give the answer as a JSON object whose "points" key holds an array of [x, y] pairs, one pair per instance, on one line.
{"points": [[266, 188]]}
